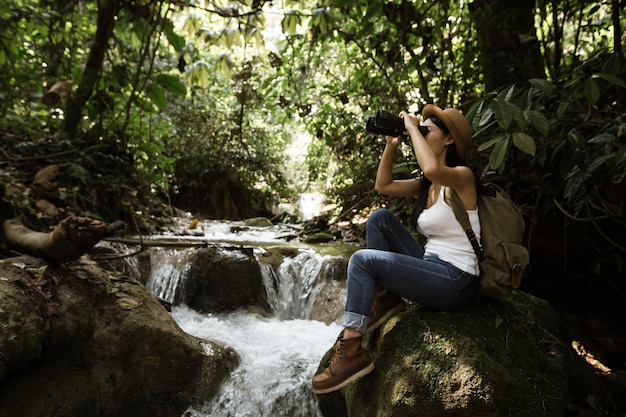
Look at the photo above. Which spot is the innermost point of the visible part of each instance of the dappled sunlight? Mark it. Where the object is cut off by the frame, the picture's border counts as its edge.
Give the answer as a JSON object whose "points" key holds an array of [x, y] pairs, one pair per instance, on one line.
{"points": [[403, 392], [589, 357], [466, 385]]}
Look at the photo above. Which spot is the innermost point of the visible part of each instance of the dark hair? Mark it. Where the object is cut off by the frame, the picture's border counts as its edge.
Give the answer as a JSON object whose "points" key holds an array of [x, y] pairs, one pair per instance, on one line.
{"points": [[452, 156], [437, 122], [452, 160], [420, 204]]}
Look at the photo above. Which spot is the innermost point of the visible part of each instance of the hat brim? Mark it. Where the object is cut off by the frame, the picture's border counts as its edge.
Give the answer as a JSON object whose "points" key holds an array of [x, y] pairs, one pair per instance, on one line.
{"points": [[460, 138]]}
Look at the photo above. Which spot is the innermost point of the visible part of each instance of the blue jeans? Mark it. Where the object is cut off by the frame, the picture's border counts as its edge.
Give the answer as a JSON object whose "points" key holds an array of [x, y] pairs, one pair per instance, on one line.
{"points": [[394, 260]]}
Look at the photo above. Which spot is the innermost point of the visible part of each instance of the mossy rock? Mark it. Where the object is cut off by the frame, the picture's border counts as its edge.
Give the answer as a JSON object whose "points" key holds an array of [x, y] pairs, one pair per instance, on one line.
{"points": [[259, 222], [504, 357], [76, 340]]}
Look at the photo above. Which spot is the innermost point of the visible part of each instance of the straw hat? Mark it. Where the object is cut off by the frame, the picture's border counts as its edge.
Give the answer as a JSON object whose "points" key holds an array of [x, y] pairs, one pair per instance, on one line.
{"points": [[456, 124]]}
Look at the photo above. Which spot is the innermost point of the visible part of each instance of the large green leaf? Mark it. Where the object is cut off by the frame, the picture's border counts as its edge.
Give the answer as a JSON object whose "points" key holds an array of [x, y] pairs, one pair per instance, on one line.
{"points": [[591, 91], [612, 79], [157, 96], [539, 121], [230, 37], [322, 19], [198, 73], [172, 84], [507, 93], [601, 162], [224, 65], [479, 115], [503, 112], [542, 85], [496, 158], [177, 41], [491, 142], [518, 116], [602, 138], [291, 21], [192, 23], [524, 143]]}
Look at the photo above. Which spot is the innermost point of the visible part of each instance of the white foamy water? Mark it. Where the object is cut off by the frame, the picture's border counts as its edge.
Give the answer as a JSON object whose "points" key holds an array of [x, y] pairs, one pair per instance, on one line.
{"points": [[224, 231], [169, 270], [292, 288], [278, 355], [278, 360]]}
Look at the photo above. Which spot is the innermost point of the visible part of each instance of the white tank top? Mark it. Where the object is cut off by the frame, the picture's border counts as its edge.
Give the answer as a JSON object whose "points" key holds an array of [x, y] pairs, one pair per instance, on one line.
{"points": [[446, 238]]}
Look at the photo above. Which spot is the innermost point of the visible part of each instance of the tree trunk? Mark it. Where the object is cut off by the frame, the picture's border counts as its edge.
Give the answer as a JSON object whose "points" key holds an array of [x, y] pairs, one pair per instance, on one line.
{"points": [[509, 50], [107, 10], [69, 240], [617, 29]]}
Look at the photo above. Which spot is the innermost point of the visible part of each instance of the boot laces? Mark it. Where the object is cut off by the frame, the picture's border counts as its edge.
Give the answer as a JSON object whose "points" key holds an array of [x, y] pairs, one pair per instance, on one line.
{"points": [[338, 352]]}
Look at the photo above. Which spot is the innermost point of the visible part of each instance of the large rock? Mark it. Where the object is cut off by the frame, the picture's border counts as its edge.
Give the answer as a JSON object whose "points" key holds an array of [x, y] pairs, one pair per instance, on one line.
{"points": [[331, 294], [79, 341], [224, 279], [505, 357]]}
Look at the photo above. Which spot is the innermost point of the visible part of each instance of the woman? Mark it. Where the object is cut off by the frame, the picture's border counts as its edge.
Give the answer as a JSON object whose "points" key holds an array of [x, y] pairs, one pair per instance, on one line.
{"points": [[442, 275]]}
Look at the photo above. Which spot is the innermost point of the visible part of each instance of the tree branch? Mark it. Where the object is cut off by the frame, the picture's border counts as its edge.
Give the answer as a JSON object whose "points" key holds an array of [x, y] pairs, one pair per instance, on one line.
{"points": [[107, 11]]}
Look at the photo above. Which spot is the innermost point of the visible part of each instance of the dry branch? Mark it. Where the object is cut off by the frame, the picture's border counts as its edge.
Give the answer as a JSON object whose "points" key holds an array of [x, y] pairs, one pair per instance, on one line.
{"points": [[68, 241]]}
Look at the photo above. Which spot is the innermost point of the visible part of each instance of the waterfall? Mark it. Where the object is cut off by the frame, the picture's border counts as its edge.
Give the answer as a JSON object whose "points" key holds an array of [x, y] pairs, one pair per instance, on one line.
{"points": [[168, 271], [291, 290], [279, 354]]}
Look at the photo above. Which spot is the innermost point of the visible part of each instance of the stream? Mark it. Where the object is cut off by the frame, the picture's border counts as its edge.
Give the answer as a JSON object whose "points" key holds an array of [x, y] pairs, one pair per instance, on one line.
{"points": [[279, 354]]}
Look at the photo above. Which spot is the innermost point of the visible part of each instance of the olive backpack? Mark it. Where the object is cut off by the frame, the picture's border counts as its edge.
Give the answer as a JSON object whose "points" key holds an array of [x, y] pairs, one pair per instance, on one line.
{"points": [[502, 256]]}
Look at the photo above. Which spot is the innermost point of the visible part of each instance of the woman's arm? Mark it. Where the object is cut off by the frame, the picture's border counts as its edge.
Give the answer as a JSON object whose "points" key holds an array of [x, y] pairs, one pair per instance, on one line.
{"points": [[461, 178], [385, 184]]}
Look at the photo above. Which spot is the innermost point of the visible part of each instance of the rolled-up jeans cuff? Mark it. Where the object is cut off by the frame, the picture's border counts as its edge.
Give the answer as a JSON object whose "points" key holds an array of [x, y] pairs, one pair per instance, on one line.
{"points": [[355, 321]]}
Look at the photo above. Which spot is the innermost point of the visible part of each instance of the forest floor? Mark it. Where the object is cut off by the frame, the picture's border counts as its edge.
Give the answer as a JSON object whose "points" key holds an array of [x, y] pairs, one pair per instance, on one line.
{"points": [[601, 342]]}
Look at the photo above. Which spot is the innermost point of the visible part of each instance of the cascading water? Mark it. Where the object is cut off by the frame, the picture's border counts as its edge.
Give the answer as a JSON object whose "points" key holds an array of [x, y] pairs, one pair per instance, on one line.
{"points": [[291, 289], [169, 268], [279, 355]]}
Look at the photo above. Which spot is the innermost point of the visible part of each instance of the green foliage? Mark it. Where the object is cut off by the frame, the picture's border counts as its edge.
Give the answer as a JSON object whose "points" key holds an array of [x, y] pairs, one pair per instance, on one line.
{"points": [[53, 45], [197, 103], [567, 138], [355, 58], [226, 140], [512, 120], [189, 95]]}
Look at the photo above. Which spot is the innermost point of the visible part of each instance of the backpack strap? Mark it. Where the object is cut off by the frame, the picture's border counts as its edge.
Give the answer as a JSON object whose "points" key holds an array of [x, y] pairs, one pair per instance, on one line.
{"points": [[461, 215]]}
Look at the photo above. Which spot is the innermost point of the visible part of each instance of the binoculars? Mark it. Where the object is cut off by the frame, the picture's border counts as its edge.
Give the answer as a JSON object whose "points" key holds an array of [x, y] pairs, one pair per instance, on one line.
{"points": [[386, 123]]}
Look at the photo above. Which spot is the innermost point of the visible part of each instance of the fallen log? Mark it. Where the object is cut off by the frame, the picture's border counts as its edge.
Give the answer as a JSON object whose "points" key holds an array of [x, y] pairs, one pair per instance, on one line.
{"points": [[177, 244], [161, 243], [68, 241]]}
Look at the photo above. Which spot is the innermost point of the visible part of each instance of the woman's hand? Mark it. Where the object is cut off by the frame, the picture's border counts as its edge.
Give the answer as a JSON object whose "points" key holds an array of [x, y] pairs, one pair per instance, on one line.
{"points": [[411, 122], [394, 141]]}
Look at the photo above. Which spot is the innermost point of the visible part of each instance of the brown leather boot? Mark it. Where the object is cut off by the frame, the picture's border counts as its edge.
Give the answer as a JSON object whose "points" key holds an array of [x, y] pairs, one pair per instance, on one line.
{"points": [[386, 305], [349, 363]]}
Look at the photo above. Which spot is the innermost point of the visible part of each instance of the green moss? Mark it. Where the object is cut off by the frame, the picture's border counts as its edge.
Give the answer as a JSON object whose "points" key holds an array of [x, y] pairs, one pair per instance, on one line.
{"points": [[501, 357]]}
